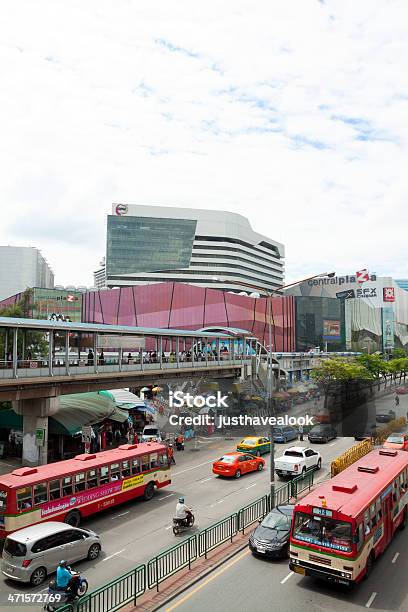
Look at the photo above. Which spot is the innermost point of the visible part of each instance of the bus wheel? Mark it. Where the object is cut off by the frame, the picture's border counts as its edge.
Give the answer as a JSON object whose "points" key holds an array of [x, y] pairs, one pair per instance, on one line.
{"points": [[73, 518], [148, 492], [369, 565]]}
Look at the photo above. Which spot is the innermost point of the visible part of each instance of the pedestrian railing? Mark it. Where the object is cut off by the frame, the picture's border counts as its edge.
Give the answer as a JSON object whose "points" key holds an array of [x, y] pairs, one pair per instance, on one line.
{"points": [[171, 561], [253, 512], [215, 535], [132, 585], [116, 594]]}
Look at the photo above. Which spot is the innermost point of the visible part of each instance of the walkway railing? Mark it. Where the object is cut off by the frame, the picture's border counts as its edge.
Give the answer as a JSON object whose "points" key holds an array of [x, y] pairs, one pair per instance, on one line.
{"points": [[132, 585]]}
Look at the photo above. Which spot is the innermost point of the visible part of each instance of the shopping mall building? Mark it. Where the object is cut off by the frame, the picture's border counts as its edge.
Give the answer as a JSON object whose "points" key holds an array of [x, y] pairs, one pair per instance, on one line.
{"points": [[345, 315]]}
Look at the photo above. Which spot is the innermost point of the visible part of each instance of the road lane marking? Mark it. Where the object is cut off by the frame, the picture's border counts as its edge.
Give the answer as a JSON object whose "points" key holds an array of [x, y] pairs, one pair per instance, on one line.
{"points": [[370, 601], [193, 467], [250, 486], [395, 557], [169, 527], [207, 581], [334, 444], [205, 480], [220, 501], [287, 578], [165, 497], [114, 554], [118, 515]]}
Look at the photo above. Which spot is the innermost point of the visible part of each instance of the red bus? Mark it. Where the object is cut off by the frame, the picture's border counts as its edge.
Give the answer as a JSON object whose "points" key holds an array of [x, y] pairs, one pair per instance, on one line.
{"points": [[76, 488], [340, 529]]}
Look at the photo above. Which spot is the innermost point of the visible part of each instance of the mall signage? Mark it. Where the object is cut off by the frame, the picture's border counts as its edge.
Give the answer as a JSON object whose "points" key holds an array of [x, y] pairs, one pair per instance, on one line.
{"points": [[341, 280]]}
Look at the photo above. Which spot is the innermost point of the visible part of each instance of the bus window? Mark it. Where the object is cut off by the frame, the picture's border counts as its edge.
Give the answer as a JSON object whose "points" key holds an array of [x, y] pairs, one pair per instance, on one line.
{"points": [[55, 489], [115, 471], [360, 536], [24, 501], [3, 504], [145, 463], [163, 460], [66, 486], [79, 482], [40, 493], [135, 466], [104, 475], [91, 479], [153, 461], [125, 469], [395, 491]]}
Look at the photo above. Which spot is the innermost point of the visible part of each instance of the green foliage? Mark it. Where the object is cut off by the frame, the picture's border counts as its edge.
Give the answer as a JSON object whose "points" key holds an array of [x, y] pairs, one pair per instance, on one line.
{"points": [[341, 369], [399, 353], [375, 364]]}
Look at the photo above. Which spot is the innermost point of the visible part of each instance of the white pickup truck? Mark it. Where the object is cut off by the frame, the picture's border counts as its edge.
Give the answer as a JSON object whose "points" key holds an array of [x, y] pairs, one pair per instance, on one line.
{"points": [[296, 460]]}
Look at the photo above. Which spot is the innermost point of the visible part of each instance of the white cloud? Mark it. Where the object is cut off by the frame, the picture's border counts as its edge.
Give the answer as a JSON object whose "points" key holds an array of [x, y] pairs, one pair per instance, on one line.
{"points": [[292, 113]]}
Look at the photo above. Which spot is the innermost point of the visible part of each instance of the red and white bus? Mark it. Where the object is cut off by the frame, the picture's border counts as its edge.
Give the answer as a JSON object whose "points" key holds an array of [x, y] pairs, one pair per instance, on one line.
{"points": [[339, 529], [70, 490]]}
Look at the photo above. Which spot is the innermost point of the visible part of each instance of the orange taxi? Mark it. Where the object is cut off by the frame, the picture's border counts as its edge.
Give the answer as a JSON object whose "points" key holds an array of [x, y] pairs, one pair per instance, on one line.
{"points": [[397, 441], [234, 465]]}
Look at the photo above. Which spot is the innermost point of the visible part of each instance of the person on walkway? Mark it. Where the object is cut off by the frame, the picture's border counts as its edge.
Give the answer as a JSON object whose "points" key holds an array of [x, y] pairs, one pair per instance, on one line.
{"points": [[102, 358], [301, 433], [170, 454], [397, 400], [90, 357]]}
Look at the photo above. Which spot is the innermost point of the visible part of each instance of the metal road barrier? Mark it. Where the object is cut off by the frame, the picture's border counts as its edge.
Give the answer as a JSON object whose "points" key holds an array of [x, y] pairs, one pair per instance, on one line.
{"points": [[350, 456], [115, 594], [171, 561], [127, 588], [215, 535]]}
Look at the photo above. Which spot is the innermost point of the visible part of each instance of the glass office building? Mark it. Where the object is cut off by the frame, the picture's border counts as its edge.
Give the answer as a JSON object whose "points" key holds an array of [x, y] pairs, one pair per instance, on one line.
{"points": [[206, 248], [320, 322]]}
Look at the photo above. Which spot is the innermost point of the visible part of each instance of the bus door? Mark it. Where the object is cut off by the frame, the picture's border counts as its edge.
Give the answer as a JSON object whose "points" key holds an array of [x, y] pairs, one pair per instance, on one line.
{"points": [[387, 504]]}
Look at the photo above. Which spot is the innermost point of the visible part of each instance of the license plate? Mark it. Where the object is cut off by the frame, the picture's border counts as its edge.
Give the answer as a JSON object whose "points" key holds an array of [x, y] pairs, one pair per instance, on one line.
{"points": [[299, 570], [260, 549]]}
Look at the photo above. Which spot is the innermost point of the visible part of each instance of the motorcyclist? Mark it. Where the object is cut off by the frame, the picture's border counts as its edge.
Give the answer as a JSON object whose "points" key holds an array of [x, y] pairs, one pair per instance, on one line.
{"points": [[65, 579], [183, 512]]}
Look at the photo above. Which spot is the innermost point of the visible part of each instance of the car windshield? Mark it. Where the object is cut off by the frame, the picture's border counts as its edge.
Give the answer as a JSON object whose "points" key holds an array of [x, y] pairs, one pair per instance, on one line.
{"points": [[277, 520], [14, 548], [318, 429], [290, 453], [249, 442], [395, 439], [150, 432], [323, 531], [227, 459], [277, 431]]}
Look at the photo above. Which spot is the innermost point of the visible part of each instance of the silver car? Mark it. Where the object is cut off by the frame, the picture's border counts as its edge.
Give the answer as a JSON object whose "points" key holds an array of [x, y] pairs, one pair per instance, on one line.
{"points": [[30, 554]]}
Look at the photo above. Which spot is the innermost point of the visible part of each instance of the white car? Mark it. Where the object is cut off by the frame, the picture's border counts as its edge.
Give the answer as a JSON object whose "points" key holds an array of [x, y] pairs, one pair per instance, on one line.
{"points": [[151, 433], [297, 460]]}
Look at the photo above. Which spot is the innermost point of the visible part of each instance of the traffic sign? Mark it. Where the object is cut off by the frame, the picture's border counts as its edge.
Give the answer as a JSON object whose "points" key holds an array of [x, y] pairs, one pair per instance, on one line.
{"points": [[86, 433]]}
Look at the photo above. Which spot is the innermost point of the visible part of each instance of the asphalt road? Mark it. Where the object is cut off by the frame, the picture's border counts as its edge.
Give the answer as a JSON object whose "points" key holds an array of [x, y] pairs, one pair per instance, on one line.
{"points": [[249, 583], [134, 532]]}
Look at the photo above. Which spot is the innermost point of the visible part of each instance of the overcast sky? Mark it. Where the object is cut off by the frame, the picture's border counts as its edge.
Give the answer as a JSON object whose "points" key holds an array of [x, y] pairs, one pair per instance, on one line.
{"points": [[292, 112]]}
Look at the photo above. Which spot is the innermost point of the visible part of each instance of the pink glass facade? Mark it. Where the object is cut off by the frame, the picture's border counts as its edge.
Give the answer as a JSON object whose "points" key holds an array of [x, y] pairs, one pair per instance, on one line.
{"points": [[182, 306]]}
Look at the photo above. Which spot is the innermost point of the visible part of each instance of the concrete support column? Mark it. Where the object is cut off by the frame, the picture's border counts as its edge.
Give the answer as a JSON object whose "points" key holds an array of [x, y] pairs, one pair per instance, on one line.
{"points": [[35, 414]]}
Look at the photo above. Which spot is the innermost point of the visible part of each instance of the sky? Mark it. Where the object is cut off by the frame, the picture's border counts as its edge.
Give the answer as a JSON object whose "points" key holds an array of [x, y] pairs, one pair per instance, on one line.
{"points": [[292, 113]]}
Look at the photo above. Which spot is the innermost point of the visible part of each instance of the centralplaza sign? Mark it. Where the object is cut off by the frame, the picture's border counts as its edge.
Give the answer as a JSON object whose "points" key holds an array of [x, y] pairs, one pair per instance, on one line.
{"points": [[340, 280]]}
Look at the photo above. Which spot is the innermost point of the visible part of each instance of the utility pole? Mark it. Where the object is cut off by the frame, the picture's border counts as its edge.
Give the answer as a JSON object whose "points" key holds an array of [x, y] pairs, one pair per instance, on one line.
{"points": [[270, 405]]}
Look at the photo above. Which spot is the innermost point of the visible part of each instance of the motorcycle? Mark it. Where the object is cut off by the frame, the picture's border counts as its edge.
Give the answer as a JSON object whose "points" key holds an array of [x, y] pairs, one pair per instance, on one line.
{"points": [[180, 446], [182, 524], [59, 598]]}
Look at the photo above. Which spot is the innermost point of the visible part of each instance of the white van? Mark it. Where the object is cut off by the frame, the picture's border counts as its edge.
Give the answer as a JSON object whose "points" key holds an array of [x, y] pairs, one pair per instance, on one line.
{"points": [[151, 432], [32, 553]]}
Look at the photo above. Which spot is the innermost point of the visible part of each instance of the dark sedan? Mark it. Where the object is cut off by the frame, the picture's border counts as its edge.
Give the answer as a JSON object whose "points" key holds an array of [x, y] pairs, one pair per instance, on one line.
{"points": [[364, 431], [322, 433], [385, 417], [271, 537]]}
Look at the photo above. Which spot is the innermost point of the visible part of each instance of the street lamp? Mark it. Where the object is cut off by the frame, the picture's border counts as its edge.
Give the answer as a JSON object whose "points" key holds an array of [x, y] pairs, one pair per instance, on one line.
{"points": [[270, 294]]}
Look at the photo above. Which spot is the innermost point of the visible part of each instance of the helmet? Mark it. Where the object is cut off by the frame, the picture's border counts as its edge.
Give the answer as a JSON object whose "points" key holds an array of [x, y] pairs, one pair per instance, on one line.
{"points": [[181, 500], [63, 563]]}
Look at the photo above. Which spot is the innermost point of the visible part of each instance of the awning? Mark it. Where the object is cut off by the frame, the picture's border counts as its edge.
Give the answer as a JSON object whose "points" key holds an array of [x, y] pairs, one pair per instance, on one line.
{"points": [[123, 398], [146, 408], [10, 420]]}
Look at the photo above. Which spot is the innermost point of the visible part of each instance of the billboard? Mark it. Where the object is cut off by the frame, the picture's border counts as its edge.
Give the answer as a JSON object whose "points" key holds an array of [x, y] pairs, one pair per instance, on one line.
{"points": [[57, 304], [331, 330], [388, 327]]}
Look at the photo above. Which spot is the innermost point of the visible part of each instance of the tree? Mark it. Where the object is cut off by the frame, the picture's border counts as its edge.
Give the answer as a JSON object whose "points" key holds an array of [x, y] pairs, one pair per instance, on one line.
{"points": [[399, 353], [341, 369], [375, 364]]}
